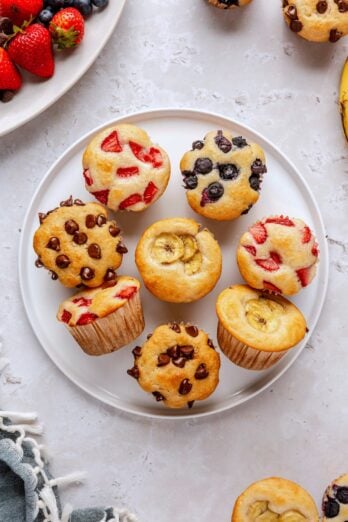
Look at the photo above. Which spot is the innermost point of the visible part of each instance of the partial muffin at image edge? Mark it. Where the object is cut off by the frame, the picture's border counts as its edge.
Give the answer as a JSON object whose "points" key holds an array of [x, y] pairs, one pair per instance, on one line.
{"points": [[178, 364], [256, 329], [104, 319], [179, 261], [124, 170], [275, 499], [278, 254], [335, 500], [228, 4], [222, 175]]}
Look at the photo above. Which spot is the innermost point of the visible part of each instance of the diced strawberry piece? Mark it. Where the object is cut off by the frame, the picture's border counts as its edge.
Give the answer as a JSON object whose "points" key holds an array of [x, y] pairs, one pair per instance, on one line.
{"points": [[281, 220], [276, 257], [66, 316], [268, 264], [156, 157], [271, 288], [111, 143], [127, 293], [304, 275], [131, 200], [126, 172], [205, 198], [315, 250], [86, 319], [82, 301], [136, 149], [150, 192], [306, 235], [153, 156], [102, 196], [88, 177], [259, 233], [251, 249]]}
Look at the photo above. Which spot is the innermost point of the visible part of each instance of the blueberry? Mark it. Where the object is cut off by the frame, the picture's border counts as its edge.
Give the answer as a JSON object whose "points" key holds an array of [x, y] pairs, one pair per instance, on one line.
{"points": [[331, 508], [191, 182], [84, 6], [203, 165], [187, 173], [239, 142], [100, 3], [197, 145], [258, 167], [215, 191], [54, 4], [342, 495], [255, 181], [45, 16], [228, 171], [222, 142]]}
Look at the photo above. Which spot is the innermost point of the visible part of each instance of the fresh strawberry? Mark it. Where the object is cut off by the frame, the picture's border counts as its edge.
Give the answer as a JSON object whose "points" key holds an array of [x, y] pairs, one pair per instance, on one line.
{"points": [[86, 318], [271, 288], [127, 172], [111, 143], [150, 192], [130, 201], [82, 301], [281, 220], [10, 79], [20, 11], [259, 233], [251, 249], [66, 316], [153, 156], [268, 264], [306, 235], [31, 49], [304, 275], [127, 293], [102, 196], [67, 28], [88, 177], [315, 250]]}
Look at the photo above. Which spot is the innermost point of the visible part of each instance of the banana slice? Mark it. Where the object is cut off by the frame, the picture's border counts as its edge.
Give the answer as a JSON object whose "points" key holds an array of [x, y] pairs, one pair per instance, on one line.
{"points": [[267, 516], [257, 509], [168, 248], [263, 314], [344, 98], [190, 247], [194, 265], [292, 516]]}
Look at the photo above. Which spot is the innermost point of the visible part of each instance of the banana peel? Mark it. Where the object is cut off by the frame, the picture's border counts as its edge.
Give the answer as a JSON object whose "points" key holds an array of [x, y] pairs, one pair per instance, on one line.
{"points": [[344, 98]]}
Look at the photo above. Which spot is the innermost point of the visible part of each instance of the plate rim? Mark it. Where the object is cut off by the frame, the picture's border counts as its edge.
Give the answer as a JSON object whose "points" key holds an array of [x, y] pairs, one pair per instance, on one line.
{"points": [[162, 113], [103, 41]]}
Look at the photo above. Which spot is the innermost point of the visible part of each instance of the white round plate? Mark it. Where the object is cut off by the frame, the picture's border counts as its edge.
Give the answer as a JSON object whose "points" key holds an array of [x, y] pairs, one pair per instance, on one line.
{"points": [[284, 191], [36, 95]]}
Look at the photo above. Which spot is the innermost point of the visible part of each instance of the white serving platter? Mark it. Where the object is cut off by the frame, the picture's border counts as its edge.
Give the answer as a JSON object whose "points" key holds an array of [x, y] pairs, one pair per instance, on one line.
{"points": [[284, 191], [36, 95]]}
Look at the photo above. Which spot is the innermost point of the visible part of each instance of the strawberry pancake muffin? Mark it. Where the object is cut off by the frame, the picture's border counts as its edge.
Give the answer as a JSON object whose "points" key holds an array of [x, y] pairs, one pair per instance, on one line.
{"points": [[104, 319], [124, 170], [278, 254]]}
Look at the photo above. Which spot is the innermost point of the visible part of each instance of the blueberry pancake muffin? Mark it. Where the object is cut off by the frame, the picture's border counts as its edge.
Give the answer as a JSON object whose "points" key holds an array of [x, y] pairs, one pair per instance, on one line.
{"points": [[317, 21], [78, 244], [222, 175], [106, 318], [335, 501], [275, 500], [124, 170], [278, 254], [178, 260], [178, 364], [255, 329], [228, 4]]}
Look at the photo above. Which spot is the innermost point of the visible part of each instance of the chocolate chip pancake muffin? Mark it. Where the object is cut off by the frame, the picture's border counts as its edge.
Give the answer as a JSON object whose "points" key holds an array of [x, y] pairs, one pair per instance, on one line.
{"points": [[104, 319], [223, 175], [275, 500], [228, 4], [177, 364], [278, 254], [78, 244], [124, 170], [255, 329], [335, 501], [178, 260], [317, 21]]}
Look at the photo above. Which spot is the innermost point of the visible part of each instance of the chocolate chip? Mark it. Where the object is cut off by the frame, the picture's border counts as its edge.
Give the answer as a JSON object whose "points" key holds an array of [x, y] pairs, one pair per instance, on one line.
{"points": [[62, 261], [291, 12], [197, 145], [42, 217], [187, 351], [149, 336], [191, 182], [179, 362], [335, 35], [79, 203], [67, 203], [296, 26], [114, 230], [322, 7], [94, 251], [258, 167], [228, 171], [203, 165], [53, 244], [163, 359], [247, 210], [175, 327], [331, 508], [185, 387], [121, 248], [54, 276], [192, 330], [222, 142], [342, 494], [190, 404], [6, 95], [38, 263], [211, 344], [159, 397], [174, 352], [239, 142], [109, 275], [90, 221], [201, 372], [134, 372], [342, 6], [87, 273], [80, 238], [6, 26], [71, 227], [285, 3], [136, 351], [101, 220]]}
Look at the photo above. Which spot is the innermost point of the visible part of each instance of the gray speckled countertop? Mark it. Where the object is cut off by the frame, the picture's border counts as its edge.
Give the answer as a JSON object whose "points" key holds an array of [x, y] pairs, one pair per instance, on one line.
{"points": [[249, 66]]}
